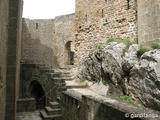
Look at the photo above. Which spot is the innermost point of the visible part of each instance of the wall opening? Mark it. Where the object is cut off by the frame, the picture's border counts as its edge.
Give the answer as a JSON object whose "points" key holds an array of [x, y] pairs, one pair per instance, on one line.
{"points": [[128, 5], [37, 92], [70, 53], [36, 25], [102, 13], [86, 16]]}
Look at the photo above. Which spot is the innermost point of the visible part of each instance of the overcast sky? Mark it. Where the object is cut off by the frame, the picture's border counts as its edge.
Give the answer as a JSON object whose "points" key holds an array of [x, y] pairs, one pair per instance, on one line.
{"points": [[36, 9]]}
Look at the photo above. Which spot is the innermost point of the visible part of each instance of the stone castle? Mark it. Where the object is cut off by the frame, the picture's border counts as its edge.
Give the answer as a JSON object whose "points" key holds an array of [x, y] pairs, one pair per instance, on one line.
{"points": [[39, 57]]}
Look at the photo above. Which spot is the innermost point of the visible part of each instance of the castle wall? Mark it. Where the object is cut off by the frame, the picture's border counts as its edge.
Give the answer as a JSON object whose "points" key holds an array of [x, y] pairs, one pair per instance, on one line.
{"points": [[86, 105], [98, 20], [38, 46], [148, 22], [10, 29], [64, 35], [43, 41], [3, 49]]}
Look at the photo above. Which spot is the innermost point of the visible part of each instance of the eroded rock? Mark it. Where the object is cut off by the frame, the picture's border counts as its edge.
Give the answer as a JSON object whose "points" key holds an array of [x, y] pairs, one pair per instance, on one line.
{"points": [[130, 58], [104, 64], [144, 79]]}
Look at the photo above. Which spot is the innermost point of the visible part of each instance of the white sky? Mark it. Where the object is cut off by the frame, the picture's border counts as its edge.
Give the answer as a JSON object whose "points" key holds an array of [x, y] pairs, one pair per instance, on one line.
{"points": [[45, 9]]}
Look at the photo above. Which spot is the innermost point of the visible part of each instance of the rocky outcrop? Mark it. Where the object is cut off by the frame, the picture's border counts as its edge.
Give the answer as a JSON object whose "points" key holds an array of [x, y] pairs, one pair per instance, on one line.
{"points": [[126, 74], [144, 79], [105, 64], [130, 58]]}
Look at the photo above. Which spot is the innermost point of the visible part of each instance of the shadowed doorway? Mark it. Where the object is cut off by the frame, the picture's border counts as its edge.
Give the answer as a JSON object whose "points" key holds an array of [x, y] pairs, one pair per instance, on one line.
{"points": [[38, 93], [70, 54]]}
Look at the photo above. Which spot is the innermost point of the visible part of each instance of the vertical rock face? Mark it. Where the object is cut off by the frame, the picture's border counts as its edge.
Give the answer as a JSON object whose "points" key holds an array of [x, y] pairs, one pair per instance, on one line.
{"points": [[145, 79], [130, 58], [104, 65]]}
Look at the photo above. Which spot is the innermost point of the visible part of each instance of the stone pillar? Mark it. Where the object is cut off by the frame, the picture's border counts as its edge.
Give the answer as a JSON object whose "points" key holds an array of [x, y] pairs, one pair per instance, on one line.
{"points": [[13, 57], [148, 22], [3, 40]]}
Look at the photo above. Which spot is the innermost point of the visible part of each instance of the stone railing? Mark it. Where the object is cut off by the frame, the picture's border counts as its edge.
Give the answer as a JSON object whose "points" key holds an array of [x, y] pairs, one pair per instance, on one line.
{"points": [[80, 106]]}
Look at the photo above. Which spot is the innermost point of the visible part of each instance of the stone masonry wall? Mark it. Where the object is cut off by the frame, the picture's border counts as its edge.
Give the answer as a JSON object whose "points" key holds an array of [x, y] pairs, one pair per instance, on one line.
{"points": [[78, 106], [64, 35], [97, 20], [35, 72], [43, 41], [148, 22], [3, 47], [13, 57], [38, 46], [10, 28]]}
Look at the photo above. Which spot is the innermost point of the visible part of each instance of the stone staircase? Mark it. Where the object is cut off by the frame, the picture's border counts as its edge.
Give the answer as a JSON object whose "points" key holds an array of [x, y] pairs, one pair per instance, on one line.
{"points": [[52, 112], [63, 80]]}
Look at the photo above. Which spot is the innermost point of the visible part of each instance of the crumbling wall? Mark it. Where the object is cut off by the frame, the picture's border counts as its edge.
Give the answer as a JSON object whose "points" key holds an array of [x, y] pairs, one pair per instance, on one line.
{"points": [[97, 20]]}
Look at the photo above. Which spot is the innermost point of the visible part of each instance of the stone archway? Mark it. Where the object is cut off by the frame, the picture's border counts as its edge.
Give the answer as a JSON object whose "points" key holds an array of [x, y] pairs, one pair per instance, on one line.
{"points": [[37, 92]]}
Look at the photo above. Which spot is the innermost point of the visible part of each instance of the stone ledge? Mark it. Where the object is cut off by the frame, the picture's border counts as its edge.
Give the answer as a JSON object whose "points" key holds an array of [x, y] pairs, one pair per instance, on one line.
{"points": [[98, 102]]}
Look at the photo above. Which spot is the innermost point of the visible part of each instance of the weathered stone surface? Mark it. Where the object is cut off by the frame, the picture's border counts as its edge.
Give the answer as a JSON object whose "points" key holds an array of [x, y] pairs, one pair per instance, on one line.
{"points": [[148, 19], [130, 58], [85, 104], [48, 41], [104, 65], [111, 62], [145, 79], [100, 88], [97, 20]]}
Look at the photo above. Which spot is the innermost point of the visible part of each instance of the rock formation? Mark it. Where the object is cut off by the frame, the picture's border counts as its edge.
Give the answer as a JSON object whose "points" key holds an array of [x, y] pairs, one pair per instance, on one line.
{"points": [[145, 79], [139, 78]]}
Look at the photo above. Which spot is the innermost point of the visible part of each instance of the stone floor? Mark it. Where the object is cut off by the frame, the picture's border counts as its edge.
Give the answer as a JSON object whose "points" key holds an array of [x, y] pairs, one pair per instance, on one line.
{"points": [[28, 116]]}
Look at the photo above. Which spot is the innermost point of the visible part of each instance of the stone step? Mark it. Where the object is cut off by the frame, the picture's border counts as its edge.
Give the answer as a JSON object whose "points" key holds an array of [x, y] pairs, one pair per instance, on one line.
{"points": [[63, 88], [60, 84], [63, 78], [44, 67], [45, 116], [61, 75], [75, 86], [47, 70], [67, 67], [51, 111], [54, 105], [61, 71]]}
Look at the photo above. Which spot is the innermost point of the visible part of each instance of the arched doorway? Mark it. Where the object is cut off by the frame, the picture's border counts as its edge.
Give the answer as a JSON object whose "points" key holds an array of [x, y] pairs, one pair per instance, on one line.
{"points": [[70, 53], [37, 92]]}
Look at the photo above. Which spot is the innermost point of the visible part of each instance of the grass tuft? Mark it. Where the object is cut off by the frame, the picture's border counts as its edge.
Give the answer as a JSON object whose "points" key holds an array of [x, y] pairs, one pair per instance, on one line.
{"points": [[82, 80], [141, 51], [104, 82], [135, 42], [124, 41], [155, 45], [128, 99]]}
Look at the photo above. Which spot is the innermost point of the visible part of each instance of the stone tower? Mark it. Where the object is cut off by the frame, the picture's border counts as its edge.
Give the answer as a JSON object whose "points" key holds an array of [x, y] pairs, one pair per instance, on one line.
{"points": [[148, 22]]}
